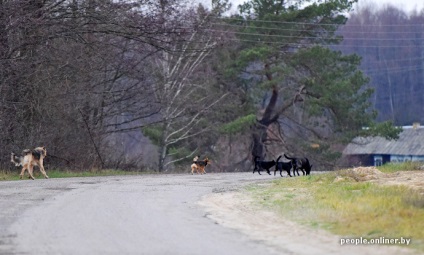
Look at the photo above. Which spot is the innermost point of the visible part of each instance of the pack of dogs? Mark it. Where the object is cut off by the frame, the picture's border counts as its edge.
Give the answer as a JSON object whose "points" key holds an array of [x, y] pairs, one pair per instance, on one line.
{"points": [[294, 164], [30, 158]]}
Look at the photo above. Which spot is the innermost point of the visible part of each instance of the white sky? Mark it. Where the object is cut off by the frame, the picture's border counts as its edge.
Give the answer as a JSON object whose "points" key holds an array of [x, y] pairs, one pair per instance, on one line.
{"points": [[407, 5]]}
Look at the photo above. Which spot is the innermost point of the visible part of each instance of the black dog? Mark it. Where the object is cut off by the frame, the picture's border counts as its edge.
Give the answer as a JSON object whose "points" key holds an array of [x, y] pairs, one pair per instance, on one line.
{"points": [[283, 166], [261, 165], [301, 164]]}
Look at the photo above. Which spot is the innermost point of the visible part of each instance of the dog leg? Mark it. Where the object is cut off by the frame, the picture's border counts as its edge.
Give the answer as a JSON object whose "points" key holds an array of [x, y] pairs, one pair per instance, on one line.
{"points": [[193, 167], [22, 173], [30, 170], [43, 171], [295, 170]]}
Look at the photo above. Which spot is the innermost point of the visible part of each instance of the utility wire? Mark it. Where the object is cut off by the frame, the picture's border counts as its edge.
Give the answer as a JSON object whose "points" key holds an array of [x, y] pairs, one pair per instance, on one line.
{"points": [[315, 24], [310, 37], [300, 44], [305, 30]]}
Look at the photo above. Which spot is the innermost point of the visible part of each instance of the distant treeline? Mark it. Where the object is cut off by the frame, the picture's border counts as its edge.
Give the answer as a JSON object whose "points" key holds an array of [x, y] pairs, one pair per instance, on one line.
{"points": [[391, 44]]}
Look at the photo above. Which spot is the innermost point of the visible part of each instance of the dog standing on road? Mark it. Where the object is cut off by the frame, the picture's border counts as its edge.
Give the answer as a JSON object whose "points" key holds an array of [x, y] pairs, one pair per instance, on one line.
{"points": [[199, 165], [280, 166], [301, 164], [29, 159], [194, 166], [263, 165]]}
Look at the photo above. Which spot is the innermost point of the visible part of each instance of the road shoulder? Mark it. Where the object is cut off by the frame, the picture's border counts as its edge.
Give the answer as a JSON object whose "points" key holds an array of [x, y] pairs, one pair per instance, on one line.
{"points": [[237, 210]]}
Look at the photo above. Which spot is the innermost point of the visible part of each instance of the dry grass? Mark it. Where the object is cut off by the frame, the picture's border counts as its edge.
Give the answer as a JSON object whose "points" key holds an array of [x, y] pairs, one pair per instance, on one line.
{"points": [[348, 203]]}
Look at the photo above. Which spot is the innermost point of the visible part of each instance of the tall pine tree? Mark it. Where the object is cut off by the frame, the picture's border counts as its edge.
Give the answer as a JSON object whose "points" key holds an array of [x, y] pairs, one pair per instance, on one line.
{"points": [[295, 79]]}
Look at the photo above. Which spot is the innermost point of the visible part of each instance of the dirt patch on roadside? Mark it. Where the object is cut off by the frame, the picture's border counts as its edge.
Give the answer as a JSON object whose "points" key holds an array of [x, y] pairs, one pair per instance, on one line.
{"points": [[237, 211], [411, 179]]}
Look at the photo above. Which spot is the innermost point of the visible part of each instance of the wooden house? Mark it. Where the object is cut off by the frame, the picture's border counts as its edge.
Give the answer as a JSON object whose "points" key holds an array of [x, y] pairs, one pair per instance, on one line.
{"points": [[375, 151]]}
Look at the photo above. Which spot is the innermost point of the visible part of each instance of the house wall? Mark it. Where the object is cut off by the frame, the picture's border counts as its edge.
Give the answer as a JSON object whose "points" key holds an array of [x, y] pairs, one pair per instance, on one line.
{"points": [[379, 160], [405, 158], [358, 160]]}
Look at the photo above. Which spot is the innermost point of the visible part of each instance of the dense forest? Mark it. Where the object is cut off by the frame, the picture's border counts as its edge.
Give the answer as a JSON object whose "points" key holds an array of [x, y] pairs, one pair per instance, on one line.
{"points": [[391, 44], [149, 84]]}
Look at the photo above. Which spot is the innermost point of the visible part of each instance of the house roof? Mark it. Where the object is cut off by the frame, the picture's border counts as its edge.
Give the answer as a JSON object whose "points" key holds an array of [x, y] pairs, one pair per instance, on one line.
{"points": [[410, 142]]}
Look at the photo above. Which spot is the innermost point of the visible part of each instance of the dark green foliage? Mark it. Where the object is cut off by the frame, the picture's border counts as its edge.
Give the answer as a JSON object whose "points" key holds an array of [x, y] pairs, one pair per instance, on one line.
{"points": [[384, 129], [336, 88], [154, 133], [241, 124]]}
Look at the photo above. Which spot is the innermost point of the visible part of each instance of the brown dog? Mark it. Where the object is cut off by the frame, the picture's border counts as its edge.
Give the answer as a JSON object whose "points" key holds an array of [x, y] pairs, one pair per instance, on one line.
{"points": [[29, 159], [200, 165]]}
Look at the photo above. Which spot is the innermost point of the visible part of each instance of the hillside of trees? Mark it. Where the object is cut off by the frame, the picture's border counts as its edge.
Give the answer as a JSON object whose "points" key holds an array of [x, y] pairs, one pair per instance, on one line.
{"points": [[391, 44], [149, 84]]}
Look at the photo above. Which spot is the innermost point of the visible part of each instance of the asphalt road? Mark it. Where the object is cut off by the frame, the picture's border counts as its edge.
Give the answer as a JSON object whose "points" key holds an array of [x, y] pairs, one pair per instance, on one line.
{"points": [[144, 214]]}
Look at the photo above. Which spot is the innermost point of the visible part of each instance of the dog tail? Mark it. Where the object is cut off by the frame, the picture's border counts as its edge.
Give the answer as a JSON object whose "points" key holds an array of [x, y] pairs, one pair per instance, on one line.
{"points": [[15, 159], [288, 157], [278, 159]]}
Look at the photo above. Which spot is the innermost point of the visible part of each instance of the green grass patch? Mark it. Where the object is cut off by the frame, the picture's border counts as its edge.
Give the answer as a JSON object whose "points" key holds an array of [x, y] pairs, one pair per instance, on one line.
{"points": [[10, 176], [404, 166], [346, 207]]}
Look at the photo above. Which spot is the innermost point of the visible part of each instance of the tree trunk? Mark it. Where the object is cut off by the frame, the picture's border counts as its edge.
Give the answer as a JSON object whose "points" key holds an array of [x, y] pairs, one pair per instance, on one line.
{"points": [[259, 132], [162, 157], [258, 136], [163, 147]]}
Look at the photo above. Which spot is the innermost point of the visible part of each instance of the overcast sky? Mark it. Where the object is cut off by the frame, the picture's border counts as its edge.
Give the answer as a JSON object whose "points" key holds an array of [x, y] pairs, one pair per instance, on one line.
{"points": [[407, 5]]}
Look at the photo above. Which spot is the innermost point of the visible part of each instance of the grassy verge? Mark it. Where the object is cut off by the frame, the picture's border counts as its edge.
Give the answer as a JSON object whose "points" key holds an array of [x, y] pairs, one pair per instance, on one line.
{"points": [[406, 166], [347, 207], [7, 176]]}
